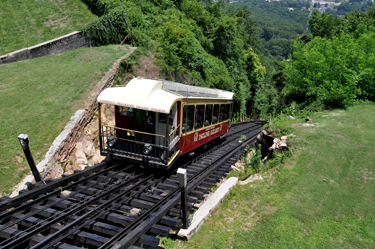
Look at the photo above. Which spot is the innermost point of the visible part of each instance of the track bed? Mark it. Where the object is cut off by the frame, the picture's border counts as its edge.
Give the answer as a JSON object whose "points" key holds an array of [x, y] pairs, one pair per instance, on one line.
{"points": [[116, 204]]}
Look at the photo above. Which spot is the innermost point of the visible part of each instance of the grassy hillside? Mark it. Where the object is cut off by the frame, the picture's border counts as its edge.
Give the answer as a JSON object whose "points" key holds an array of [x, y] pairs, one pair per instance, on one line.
{"points": [[25, 23], [38, 97], [323, 196]]}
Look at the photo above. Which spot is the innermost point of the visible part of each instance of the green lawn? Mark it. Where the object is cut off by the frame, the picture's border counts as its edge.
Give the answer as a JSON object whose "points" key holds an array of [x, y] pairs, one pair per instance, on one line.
{"points": [[24, 23], [323, 196], [38, 97]]}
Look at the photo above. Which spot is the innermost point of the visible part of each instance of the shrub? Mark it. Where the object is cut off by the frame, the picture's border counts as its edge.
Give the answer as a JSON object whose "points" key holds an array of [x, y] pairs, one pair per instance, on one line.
{"points": [[332, 72], [193, 41], [256, 159], [111, 28]]}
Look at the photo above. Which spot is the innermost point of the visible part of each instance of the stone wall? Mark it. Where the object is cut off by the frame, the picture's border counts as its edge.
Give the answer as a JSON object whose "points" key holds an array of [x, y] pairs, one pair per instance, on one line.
{"points": [[61, 44]]}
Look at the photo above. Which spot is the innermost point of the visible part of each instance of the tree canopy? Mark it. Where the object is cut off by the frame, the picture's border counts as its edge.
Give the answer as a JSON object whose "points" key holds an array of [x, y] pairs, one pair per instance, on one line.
{"points": [[199, 40], [334, 64], [216, 45]]}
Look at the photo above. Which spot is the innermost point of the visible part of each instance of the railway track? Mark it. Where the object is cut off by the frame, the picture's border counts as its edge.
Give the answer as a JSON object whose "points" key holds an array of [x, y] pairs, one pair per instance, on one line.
{"points": [[115, 204]]}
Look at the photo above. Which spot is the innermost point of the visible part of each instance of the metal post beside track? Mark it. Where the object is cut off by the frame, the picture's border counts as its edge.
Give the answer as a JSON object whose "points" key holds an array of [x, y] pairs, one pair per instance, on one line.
{"points": [[182, 178], [24, 141]]}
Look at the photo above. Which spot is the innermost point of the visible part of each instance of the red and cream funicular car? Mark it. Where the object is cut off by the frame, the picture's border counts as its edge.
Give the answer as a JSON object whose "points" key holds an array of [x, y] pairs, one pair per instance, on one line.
{"points": [[157, 121]]}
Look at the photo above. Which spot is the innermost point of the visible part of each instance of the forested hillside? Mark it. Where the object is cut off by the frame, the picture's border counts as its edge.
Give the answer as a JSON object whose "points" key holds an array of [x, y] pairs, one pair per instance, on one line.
{"points": [[195, 42], [349, 6], [278, 23], [211, 44], [332, 66]]}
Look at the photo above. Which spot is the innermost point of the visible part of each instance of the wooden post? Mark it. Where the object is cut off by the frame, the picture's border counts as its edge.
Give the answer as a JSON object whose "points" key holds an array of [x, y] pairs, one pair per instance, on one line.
{"points": [[131, 32]]}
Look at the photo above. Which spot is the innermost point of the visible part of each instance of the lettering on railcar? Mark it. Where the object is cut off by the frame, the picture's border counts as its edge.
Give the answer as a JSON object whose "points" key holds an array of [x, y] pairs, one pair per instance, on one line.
{"points": [[107, 101], [142, 107], [125, 104], [131, 105], [208, 133], [157, 110]]}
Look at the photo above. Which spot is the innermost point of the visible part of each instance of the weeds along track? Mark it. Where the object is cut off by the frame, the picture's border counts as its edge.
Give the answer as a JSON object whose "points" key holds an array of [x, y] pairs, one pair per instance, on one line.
{"points": [[115, 204]]}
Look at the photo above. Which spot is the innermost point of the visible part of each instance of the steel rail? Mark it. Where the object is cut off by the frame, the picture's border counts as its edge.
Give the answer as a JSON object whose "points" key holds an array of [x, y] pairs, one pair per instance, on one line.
{"points": [[51, 194], [133, 235], [87, 173], [127, 198], [132, 232], [54, 203], [93, 215], [77, 224], [63, 215], [140, 229], [88, 221]]}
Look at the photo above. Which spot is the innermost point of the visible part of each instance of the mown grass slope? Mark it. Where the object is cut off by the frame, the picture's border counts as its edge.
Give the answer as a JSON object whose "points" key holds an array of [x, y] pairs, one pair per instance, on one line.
{"points": [[38, 97], [322, 196], [25, 23]]}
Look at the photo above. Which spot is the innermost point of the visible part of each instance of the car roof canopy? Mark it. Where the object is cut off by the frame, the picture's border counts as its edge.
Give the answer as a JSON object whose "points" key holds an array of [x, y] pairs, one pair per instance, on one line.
{"points": [[157, 95]]}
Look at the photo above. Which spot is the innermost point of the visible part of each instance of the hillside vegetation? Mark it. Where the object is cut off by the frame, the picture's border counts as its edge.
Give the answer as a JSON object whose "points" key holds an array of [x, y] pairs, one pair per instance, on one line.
{"points": [[320, 197], [278, 23], [333, 66], [350, 6], [209, 44], [24, 23], [38, 97], [195, 42]]}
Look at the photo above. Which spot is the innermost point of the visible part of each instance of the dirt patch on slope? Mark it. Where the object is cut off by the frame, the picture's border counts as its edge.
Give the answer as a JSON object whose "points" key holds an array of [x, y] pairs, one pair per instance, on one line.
{"points": [[147, 68], [61, 22]]}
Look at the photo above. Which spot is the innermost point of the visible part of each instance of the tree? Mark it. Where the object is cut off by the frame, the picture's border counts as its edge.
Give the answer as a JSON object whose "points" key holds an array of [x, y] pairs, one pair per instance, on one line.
{"points": [[321, 25], [332, 72]]}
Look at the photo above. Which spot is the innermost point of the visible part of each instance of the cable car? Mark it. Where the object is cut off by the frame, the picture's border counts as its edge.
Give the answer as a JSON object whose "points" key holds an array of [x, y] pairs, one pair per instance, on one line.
{"points": [[156, 121]]}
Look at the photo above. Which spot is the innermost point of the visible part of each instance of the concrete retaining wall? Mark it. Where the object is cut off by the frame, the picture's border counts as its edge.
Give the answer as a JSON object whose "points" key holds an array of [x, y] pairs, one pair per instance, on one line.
{"points": [[61, 44]]}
